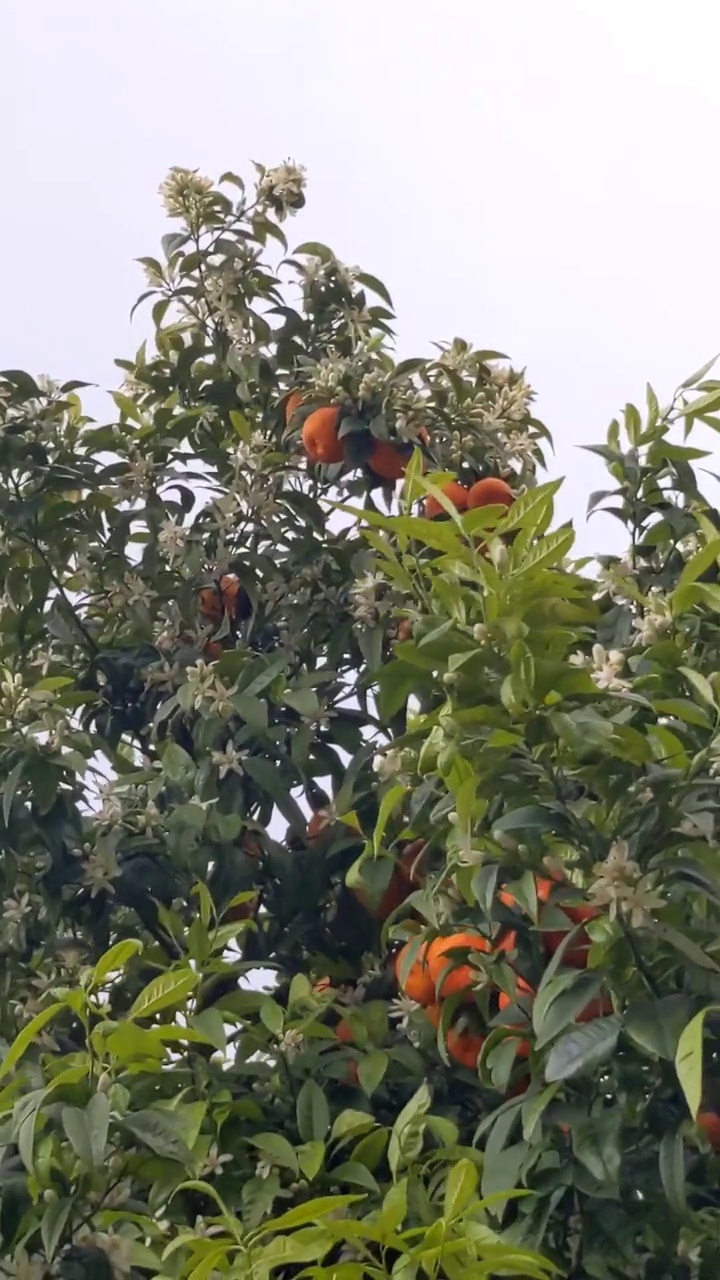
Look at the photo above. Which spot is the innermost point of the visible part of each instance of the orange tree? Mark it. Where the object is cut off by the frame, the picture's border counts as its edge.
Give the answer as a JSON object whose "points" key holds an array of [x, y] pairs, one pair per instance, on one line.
{"points": [[357, 846]]}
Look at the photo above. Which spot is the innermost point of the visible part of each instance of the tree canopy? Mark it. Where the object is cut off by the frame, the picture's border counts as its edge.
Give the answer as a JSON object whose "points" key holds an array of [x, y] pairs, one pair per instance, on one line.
{"points": [[358, 847]]}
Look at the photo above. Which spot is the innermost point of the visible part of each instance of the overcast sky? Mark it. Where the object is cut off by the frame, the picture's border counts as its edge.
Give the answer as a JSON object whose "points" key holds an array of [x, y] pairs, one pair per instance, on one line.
{"points": [[540, 178]]}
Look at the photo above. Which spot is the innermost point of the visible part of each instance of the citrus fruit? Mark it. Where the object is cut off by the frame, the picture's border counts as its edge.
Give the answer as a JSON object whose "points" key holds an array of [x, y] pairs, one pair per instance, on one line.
{"points": [[456, 493], [490, 492], [417, 985], [320, 437], [449, 981], [387, 461]]}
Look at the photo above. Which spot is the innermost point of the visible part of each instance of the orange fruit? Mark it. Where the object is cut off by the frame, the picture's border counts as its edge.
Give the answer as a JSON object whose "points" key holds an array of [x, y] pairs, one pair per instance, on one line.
{"points": [[319, 822], [213, 650], [418, 985], [709, 1122], [434, 1014], [600, 1007], [490, 492], [543, 889], [456, 493], [465, 1047], [229, 596], [404, 630], [387, 461], [320, 437], [504, 1002], [239, 912], [576, 955], [322, 984], [403, 881], [292, 403], [344, 1032], [463, 976], [352, 1075]]}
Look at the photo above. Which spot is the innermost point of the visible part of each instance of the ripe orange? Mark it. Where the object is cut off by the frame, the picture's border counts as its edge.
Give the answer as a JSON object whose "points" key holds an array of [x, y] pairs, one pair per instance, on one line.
{"points": [[504, 1002], [318, 824], [344, 1032], [240, 911], [387, 461], [292, 403], [465, 1047], [404, 879], [230, 596], [404, 630], [576, 955], [463, 976], [709, 1122], [352, 1075], [543, 889], [434, 1014], [418, 984], [213, 650], [457, 494], [322, 984], [490, 492], [320, 437]]}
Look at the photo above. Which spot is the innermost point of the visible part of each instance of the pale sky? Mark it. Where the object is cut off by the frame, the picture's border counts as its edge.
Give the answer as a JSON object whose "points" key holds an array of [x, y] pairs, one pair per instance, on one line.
{"points": [[539, 178]]}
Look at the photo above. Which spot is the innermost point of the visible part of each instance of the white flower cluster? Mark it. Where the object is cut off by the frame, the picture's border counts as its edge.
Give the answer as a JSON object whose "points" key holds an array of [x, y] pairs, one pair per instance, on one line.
{"points": [[183, 192], [606, 668], [617, 581], [172, 538], [655, 620], [366, 603], [283, 188], [621, 886], [206, 689]]}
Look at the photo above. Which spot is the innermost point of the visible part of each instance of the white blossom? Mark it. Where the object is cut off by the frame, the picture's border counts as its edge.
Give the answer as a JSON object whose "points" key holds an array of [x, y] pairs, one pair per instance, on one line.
{"points": [[283, 187], [183, 192], [171, 538], [386, 764], [100, 868], [229, 761]]}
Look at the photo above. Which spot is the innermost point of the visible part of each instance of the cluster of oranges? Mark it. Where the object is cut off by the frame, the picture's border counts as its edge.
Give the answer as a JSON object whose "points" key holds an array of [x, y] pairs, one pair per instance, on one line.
{"points": [[322, 444], [388, 461], [491, 491], [227, 596], [431, 973]]}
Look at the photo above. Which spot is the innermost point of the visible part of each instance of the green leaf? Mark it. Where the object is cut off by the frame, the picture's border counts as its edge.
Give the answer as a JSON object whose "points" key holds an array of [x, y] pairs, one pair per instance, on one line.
{"points": [[596, 1144], [657, 1025], [689, 1060], [114, 960], [277, 1148], [87, 1129], [582, 1049], [313, 1113], [52, 1224], [310, 1158], [166, 991], [355, 1173], [27, 1036], [565, 1006], [672, 1171], [371, 1070], [11, 786], [700, 684], [460, 1189], [388, 805], [312, 1211], [158, 1131]]}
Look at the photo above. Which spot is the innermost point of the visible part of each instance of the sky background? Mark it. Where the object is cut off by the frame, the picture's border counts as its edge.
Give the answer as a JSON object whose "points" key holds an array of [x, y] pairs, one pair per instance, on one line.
{"points": [[537, 178]]}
